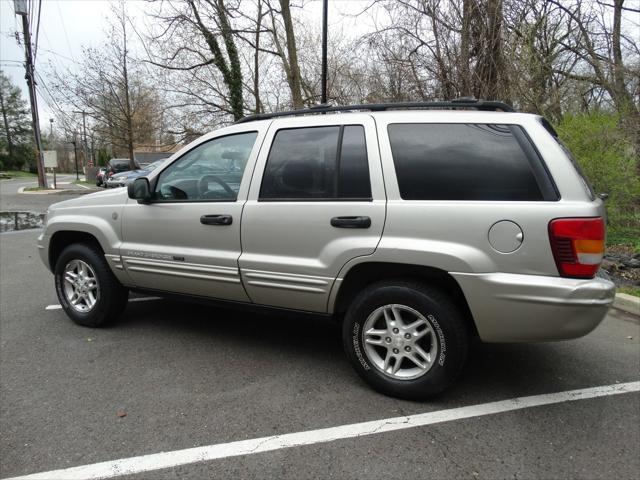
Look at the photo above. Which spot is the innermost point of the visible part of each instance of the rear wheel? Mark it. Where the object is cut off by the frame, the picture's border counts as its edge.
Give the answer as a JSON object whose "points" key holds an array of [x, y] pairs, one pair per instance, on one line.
{"points": [[87, 289], [405, 339]]}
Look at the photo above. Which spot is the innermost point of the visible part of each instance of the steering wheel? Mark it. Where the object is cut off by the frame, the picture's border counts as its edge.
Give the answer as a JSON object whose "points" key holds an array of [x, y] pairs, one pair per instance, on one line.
{"points": [[203, 185]]}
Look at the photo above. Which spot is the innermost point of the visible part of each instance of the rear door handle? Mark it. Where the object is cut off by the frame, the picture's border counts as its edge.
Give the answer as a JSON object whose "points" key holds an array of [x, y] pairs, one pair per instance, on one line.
{"points": [[216, 219], [351, 222]]}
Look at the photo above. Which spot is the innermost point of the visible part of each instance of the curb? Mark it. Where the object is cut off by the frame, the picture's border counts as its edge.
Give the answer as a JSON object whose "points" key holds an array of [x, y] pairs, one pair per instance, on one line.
{"points": [[627, 303], [82, 190]]}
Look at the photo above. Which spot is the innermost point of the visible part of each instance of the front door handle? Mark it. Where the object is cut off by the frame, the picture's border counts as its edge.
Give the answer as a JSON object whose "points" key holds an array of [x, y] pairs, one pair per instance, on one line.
{"points": [[216, 219], [351, 222]]}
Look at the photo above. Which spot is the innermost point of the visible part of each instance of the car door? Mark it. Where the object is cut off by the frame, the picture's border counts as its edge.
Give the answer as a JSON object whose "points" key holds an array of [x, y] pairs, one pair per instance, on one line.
{"points": [[187, 239], [316, 201]]}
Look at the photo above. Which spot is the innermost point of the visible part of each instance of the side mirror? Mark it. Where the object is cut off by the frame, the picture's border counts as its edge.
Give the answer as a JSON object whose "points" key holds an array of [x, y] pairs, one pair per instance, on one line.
{"points": [[139, 190]]}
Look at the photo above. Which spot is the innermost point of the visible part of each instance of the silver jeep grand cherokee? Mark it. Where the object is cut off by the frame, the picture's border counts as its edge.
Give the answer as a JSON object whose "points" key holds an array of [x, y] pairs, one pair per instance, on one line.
{"points": [[418, 226]]}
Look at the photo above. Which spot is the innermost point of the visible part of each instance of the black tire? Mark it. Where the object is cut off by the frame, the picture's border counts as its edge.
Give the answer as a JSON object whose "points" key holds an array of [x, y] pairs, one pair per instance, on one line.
{"points": [[447, 324], [112, 298]]}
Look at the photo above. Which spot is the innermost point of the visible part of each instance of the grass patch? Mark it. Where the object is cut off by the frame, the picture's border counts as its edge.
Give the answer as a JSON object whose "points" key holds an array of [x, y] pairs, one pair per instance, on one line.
{"points": [[17, 174], [624, 236], [635, 291], [37, 189]]}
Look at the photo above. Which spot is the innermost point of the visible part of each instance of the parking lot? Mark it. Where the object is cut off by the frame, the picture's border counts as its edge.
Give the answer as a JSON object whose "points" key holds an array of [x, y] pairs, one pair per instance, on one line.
{"points": [[172, 376]]}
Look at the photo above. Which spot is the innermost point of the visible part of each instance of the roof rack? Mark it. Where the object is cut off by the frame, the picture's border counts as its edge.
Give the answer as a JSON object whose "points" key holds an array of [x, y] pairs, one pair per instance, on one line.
{"points": [[462, 103]]}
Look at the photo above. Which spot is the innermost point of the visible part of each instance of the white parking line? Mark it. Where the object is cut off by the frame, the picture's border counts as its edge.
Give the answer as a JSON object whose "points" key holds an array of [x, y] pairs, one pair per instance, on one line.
{"points": [[138, 299], [157, 461]]}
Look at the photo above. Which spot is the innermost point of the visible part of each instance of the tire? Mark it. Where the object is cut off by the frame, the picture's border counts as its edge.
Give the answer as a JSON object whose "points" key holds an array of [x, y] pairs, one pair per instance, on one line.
{"points": [[439, 342], [84, 260]]}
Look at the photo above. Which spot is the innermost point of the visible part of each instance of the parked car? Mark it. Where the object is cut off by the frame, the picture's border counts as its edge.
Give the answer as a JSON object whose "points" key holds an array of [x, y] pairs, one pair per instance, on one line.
{"points": [[118, 165], [417, 229], [101, 177], [122, 178]]}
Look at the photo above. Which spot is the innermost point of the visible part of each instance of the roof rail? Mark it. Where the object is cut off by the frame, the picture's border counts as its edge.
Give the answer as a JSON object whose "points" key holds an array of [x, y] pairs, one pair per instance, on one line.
{"points": [[462, 103]]}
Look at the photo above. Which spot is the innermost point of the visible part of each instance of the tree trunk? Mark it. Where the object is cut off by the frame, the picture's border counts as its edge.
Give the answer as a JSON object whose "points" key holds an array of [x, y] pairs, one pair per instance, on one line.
{"points": [[293, 74], [465, 46], [127, 97], [256, 61], [629, 114], [234, 81]]}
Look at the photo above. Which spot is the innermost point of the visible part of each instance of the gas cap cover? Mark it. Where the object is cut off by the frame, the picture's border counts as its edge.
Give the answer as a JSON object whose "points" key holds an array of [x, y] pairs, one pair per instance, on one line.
{"points": [[505, 236]]}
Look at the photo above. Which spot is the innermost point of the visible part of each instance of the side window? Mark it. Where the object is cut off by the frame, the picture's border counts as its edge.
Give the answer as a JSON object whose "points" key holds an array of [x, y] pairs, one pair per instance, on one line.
{"points": [[317, 163], [211, 171], [461, 162]]}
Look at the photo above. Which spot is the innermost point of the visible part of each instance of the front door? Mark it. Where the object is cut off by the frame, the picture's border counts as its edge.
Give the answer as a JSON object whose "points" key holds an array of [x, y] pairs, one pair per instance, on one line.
{"points": [[187, 240], [317, 200]]}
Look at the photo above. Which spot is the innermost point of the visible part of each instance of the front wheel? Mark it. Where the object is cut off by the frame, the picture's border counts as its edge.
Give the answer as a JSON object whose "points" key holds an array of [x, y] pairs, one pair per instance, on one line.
{"points": [[87, 289], [405, 339]]}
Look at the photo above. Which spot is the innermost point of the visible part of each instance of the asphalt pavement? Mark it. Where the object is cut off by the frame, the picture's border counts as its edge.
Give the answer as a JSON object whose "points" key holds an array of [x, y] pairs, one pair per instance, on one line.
{"points": [[11, 200], [189, 375]]}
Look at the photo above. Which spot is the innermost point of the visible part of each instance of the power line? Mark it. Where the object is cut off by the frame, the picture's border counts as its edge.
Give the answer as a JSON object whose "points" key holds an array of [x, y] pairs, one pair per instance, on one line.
{"points": [[52, 99], [64, 29], [59, 54], [35, 50]]}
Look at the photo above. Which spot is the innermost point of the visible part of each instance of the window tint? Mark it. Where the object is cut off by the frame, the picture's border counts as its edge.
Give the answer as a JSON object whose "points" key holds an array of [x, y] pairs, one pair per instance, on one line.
{"points": [[317, 163], [354, 180], [461, 162], [211, 171]]}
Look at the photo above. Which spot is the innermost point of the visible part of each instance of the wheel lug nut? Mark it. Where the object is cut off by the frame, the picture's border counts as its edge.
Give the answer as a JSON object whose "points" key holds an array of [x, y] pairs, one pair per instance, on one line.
{"points": [[407, 348], [388, 339], [395, 330], [395, 350], [407, 336]]}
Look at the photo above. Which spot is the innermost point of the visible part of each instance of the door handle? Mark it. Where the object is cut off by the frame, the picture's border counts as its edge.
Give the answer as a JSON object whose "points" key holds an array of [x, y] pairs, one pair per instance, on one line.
{"points": [[216, 219], [351, 222]]}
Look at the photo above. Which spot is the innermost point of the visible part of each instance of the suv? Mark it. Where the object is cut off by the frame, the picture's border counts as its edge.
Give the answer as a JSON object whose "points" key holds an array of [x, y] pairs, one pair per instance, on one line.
{"points": [[418, 229]]}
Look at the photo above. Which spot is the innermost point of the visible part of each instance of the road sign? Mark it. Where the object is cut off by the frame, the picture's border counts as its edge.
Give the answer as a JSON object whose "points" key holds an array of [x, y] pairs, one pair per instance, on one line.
{"points": [[50, 159]]}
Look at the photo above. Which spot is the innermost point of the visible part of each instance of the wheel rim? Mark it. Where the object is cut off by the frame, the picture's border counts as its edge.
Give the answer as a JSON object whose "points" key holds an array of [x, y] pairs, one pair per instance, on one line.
{"points": [[400, 342], [81, 286]]}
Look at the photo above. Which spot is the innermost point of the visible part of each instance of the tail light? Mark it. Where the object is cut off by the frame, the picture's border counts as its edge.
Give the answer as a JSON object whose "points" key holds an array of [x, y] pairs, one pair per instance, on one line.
{"points": [[577, 245], [110, 174]]}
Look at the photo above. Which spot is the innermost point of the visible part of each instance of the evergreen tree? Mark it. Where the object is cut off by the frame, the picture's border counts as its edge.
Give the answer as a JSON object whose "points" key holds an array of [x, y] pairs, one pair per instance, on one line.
{"points": [[16, 146]]}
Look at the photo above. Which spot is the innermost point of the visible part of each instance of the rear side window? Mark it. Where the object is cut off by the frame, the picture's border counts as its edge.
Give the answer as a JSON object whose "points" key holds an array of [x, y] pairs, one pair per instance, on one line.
{"points": [[583, 178], [317, 163], [465, 162]]}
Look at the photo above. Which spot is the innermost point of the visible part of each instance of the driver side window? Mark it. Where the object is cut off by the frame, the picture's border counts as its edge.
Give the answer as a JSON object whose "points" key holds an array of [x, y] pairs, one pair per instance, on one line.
{"points": [[212, 171]]}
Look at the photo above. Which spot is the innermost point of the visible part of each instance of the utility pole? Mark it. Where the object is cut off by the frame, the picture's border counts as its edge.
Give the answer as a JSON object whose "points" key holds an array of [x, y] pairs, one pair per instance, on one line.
{"points": [[325, 15], [51, 127], [20, 7]]}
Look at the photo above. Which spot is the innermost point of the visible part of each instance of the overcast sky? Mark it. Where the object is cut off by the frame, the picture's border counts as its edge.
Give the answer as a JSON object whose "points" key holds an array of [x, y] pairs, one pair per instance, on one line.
{"points": [[68, 25]]}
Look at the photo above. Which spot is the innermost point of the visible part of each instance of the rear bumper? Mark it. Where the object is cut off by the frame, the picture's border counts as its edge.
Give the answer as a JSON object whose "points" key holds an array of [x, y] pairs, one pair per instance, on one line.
{"points": [[528, 308]]}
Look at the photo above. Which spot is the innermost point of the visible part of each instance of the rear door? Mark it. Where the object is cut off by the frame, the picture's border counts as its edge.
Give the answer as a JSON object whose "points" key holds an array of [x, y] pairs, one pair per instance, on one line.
{"points": [[316, 201]]}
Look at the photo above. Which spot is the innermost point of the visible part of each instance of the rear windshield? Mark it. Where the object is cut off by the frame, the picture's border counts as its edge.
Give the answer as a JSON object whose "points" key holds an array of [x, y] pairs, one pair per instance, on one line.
{"points": [[120, 166], [466, 162]]}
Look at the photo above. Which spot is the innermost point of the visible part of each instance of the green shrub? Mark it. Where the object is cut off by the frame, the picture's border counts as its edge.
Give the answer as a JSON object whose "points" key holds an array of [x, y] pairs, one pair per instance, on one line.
{"points": [[607, 156]]}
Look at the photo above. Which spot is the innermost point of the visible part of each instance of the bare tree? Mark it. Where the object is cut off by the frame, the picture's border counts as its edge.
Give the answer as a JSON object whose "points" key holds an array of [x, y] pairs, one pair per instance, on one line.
{"points": [[111, 90]]}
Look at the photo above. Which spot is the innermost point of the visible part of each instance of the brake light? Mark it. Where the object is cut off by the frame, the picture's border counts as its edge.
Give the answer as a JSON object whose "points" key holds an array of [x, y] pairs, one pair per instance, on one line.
{"points": [[577, 245], [110, 174]]}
